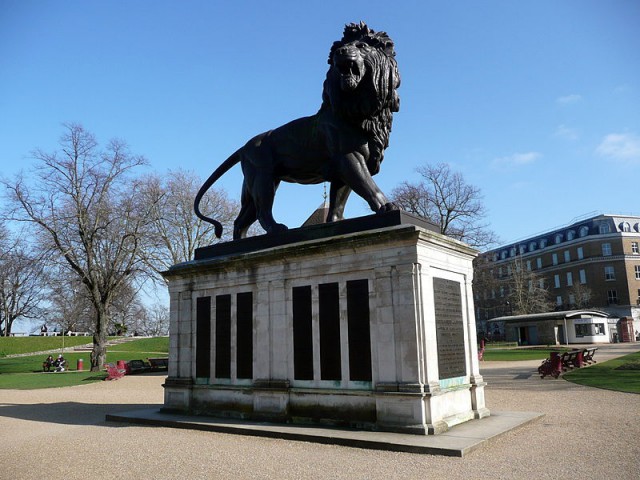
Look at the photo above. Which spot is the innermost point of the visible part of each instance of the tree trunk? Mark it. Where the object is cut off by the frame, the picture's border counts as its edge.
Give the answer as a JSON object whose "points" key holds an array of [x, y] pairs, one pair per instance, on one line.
{"points": [[99, 353]]}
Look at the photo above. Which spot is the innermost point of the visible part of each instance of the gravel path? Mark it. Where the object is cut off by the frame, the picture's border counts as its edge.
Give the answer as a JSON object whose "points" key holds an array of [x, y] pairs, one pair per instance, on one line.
{"points": [[60, 433]]}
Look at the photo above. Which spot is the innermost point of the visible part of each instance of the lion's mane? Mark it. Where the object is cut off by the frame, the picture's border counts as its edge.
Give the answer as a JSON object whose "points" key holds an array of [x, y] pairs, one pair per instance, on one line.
{"points": [[370, 107]]}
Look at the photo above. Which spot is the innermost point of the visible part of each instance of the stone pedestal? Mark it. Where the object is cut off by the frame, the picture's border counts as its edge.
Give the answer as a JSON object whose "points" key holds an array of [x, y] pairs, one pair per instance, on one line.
{"points": [[367, 323]]}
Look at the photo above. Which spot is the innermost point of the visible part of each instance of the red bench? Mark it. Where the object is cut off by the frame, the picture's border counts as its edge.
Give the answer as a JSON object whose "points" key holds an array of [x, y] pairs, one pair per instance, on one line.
{"points": [[113, 372]]}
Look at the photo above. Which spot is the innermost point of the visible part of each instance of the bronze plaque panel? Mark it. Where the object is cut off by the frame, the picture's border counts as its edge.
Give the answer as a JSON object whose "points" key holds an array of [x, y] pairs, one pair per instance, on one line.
{"points": [[449, 328]]}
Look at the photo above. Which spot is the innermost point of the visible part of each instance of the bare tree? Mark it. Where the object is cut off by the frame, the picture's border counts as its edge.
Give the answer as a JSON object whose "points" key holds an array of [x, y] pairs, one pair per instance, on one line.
{"points": [[155, 321], [509, 289], [70, 306], [444, 198], [176, 232], [527, 292], [23, 282], [582, 296], [86, 207]]}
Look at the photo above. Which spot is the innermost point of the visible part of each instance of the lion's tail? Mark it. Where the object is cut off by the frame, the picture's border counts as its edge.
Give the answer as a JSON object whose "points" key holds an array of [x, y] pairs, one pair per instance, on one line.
{"points": [[218, 172]]}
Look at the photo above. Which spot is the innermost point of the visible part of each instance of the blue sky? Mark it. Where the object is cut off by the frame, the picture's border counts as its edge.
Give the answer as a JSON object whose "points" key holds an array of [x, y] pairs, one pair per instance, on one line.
{"points": [[537, 103]]}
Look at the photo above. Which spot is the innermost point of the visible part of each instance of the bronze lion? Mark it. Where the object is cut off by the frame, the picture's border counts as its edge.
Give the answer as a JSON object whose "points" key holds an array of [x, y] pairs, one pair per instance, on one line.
{"points": [[342, 144]]}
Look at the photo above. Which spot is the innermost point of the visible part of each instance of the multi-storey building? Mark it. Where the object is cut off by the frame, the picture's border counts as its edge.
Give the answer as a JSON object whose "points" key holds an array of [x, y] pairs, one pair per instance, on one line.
{"points": [[592, 263]]}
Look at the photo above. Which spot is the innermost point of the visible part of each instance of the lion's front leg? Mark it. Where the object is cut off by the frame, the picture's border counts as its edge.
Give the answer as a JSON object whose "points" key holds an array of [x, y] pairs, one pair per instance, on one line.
{"points": [[338, 195], [353, 171]]}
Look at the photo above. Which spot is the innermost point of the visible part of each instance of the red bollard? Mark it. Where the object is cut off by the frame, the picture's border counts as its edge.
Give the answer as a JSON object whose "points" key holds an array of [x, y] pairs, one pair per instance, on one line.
{"points": [[80, 365]]}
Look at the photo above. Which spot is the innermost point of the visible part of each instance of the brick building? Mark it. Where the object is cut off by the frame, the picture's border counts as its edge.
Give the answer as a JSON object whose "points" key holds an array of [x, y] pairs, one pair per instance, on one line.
{"points": [[592, 263]]}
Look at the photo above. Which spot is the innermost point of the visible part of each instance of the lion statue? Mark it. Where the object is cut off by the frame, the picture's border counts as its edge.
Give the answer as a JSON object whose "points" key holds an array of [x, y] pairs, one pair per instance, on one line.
{"points": [[343, 143]]}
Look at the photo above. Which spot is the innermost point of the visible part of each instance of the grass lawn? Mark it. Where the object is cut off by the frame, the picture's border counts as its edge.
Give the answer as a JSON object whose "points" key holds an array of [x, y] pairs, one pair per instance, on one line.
{"points": [[620, 374], [26, 372], [515, 354], [154, 344], [14, 345]]}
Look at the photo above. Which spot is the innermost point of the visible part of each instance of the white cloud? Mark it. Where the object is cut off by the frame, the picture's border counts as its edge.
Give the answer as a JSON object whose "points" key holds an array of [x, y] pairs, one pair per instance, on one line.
{"points": [[569, 99], [515, 160], [567, 133], [621, 147]]}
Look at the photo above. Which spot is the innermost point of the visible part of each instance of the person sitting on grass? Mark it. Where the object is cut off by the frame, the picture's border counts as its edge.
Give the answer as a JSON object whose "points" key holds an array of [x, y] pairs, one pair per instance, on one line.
{"points": [[47, 364], [60, 364]]}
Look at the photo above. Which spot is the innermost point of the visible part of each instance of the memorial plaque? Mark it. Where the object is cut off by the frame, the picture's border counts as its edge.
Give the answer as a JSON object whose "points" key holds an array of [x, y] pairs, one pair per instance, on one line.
{"points": [[449, 328], [203, 337]]}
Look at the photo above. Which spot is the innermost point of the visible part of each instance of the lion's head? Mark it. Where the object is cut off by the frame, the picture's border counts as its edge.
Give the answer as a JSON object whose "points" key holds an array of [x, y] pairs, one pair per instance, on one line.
{"points": [[362, 81], [363, 70]]}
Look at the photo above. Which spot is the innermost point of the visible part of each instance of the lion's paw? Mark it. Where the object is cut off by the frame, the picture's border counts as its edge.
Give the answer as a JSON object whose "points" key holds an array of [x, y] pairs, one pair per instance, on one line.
{"points": [[388, 207], [278, 228]]}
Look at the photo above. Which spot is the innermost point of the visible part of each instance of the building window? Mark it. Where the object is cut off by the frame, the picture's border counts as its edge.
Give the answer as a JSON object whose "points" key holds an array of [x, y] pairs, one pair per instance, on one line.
{"points": [[571, 234], [509, 270], [580, 253], [541, 284], [502, 291], [539, 262], [612, 296], [634, 248], [572, 299], [589, 329], [556, 281], [554, 258], [637, 268], [512, 252], [567, 256], [609, 273], [625, 227], [528, 265], [503, 255], [604, 228], [606, 249], [543, 243], [569, 279], [532, 246], [559, 300], [583, 277], [558, 238], [584, 231]]}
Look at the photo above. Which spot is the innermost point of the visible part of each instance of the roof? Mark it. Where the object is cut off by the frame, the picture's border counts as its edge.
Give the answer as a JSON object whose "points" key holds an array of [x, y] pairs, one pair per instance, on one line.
{"points": [[552, 316], [318, 216]]}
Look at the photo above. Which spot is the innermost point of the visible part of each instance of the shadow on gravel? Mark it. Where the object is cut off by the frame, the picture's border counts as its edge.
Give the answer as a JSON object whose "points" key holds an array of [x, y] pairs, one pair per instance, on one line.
{"points": [[68, 413]]}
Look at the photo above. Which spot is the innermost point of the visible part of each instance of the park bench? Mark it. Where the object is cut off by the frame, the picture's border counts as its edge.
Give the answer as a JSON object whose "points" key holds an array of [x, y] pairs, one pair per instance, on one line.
{"points": [[137, 366], [158, 364], [551, 366], [558, 363], [571, 360], [587, 355], [113, 372]]}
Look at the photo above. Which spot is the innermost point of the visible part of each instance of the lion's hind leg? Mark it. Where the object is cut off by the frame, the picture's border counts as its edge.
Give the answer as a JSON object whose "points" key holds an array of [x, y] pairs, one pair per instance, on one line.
{"points": [[264, 192], [247, 216]]}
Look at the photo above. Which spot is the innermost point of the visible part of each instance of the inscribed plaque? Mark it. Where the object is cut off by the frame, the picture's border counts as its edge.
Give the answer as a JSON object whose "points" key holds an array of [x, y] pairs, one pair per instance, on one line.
{"points": [[449, 328]]}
